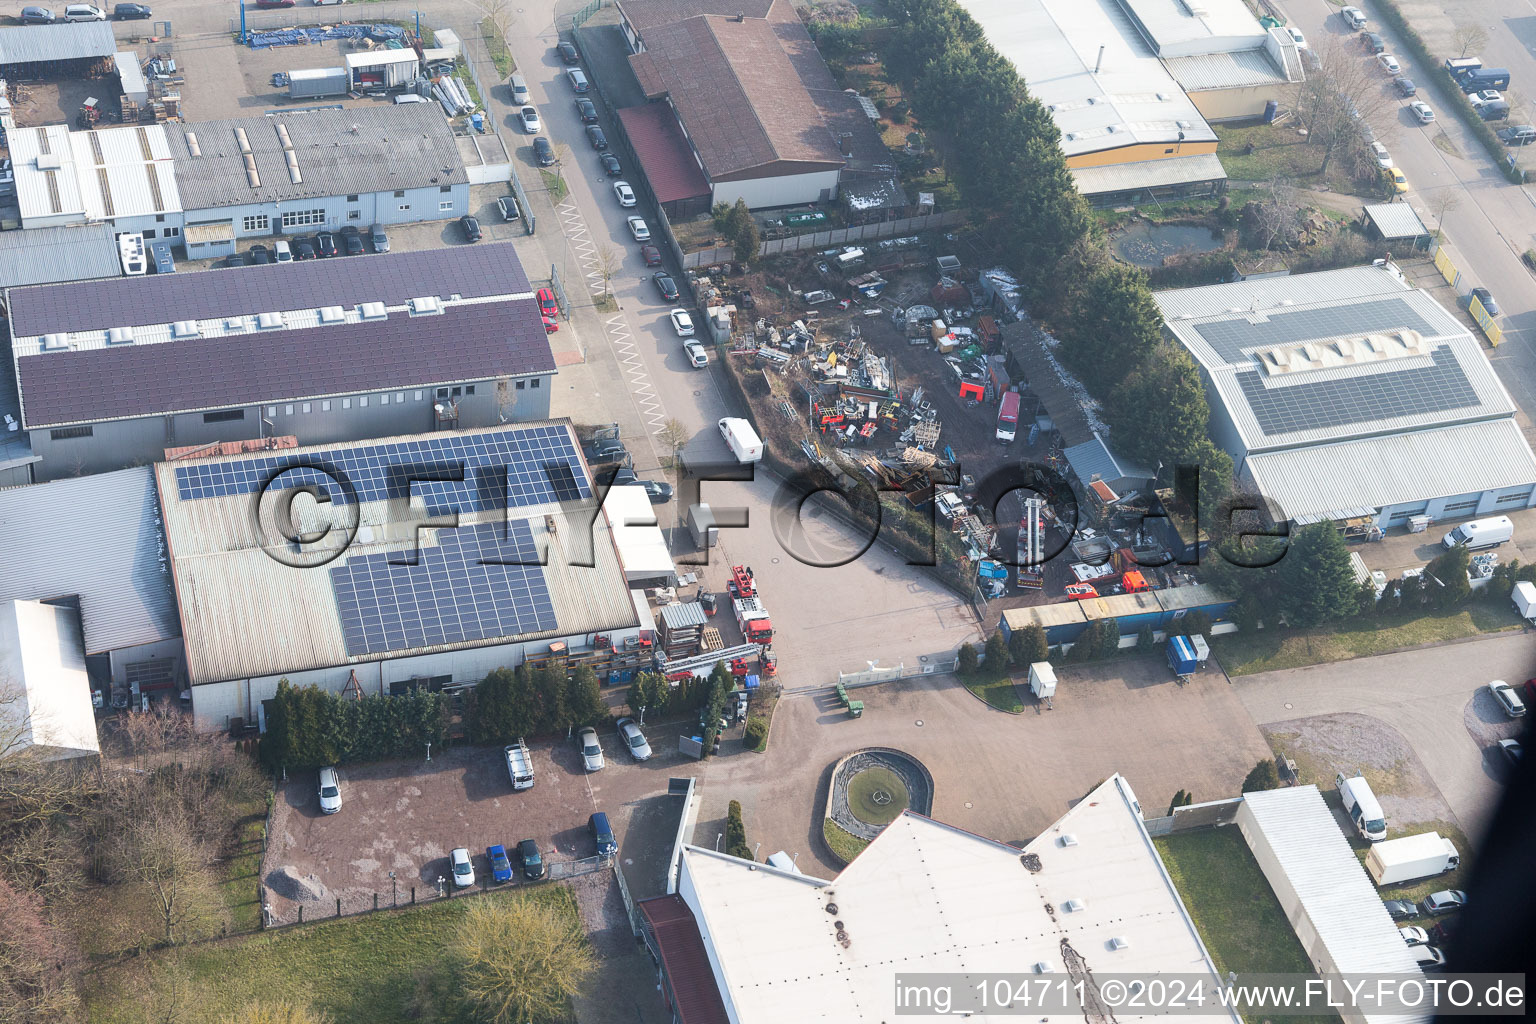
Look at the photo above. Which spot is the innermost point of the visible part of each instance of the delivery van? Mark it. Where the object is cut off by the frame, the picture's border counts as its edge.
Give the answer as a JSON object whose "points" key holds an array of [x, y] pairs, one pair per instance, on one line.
{"points": [[1481, 533], [742, 439]]}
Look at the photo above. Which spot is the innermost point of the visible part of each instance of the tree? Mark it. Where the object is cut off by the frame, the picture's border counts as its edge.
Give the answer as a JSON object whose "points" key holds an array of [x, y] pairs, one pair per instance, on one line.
{"points": [[1159, 411], [496, 718], [522, 959], [1336, 100], [966, 660], [169, 865], [280, 1012], [996, 661], [1262, 777], [1410, 593], [1028, 645], [1180, 799], [736, 833], [1365, 601], [1109, 635], [1318, 584], [673, 434], [609, 260], [1469, 37], [36, 962], [1108, 316], [1448, 570], [584, 697], [1278, 214], [1087, 646], [741, 229], [1146, 639]]}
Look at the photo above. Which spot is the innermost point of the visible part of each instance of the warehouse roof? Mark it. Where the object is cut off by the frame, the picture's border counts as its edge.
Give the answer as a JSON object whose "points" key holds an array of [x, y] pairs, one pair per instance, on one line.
{"points": [[40, 654], [51, 255], [126, 171], [942, 900], [685, 960], [98, 539], [276, 334], [1337, 481], [1234, 69], [29, 44], [378, 585], [643, 14], [663, 150], [329, 152], [637, 533], [1061, 613], [1177, 28], [1094, 459], [1325, 357]]}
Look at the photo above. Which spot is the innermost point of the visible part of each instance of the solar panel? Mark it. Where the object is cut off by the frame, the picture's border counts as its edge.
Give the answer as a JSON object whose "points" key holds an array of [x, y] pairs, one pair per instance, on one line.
{"points": [[461, 590], [1360, 399], [1230, 337], [451, 472]]}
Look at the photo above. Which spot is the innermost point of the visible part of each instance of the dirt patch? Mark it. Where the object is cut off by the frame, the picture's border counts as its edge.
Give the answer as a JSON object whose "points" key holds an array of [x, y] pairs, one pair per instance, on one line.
{"points": [[1324, 745], [289, 884], [1486, 721]]}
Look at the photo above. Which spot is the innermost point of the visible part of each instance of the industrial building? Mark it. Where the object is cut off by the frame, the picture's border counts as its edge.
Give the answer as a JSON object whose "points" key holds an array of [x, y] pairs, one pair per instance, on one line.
{"points": [[1330, 901], [1133, 84], [760, 114], [1353, 397], [123, 176], [330, 350], [428, 560], [304, 171], [748, 943], [60, 50]]}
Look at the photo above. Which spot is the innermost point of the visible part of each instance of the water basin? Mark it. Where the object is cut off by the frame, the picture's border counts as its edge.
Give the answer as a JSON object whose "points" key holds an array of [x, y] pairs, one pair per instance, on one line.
{"points": [[1148, 245]]}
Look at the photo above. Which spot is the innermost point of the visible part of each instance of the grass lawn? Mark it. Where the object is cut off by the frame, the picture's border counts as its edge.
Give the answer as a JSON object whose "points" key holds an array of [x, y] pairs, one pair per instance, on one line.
{"points": [[1232, 905], [843, 844], [555, 184], [239, 876], [1001, 694], [1279, 150], [877, 795], [360, 970], [497, 47], [1264, 650]]}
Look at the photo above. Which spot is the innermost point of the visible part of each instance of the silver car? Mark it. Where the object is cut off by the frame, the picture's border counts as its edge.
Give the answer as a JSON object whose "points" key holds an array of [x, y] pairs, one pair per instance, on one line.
{"points": [[591, 750], [634, 740], [1508, 699], [330, 791]]}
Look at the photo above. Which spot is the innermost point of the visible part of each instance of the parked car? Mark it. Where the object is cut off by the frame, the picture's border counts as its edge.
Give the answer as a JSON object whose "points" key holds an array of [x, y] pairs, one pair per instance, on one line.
{"points": [[463, 868], [379, 239], [1421, 110], [1354, 17], [36, 16], [596, 137], [550, 325], [547, 304], [325, 244], [604, 451], [658, 491], [330, 791], [1405, 86], [1512, 751], [610, 164], [1401, 909], [531, 860], [260, 256], [1444, 901], [577, 79], [1444, 928], [1485, 296], [1413, 935], [530, 119], [625, 194], [602, 834], [697, 357], [586, 110], [303, 249], [1295, 34], [543, 152], [1388, 63], [84, 12], [1383, 158], [282, 251], [1372, 42], [682, 323], [1517, 135], [591, 750], [651, 255], [132, 12], [471, 228], [568, 53], [1399, 179], [633, 739], [1501, 691], [501, 867], [352, 241], [507, 207], [665, 285], [638, 229], [623, 476], [519, 86]]}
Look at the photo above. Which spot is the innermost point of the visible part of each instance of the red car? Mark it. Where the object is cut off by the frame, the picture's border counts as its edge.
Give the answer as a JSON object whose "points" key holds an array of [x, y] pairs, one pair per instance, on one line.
{"points": [[547, 303], [652, 255], [550, 327]]}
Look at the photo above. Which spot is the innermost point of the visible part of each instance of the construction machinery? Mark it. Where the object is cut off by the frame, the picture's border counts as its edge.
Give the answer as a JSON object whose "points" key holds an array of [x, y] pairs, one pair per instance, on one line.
{"points": [[1031, 549], [743, 583], [753, 619]]}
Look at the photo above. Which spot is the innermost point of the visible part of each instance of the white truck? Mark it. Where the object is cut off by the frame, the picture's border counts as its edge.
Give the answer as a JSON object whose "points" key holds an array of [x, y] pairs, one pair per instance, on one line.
{"points": [[1042, 680], [1361, 806], [1402, 860], [741, 439], [519, 764], [1524, 596]]}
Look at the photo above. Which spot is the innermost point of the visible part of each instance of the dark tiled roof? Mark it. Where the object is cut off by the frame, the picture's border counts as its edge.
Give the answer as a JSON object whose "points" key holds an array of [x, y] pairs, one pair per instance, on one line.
{"points": [[469, 270], [464, 343], [686, 963], [664, 152]]}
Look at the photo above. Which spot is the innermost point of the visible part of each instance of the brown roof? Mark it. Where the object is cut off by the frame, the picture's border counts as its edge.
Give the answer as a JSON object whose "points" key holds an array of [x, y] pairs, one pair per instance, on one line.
{"points": [[689, 976], [664, 153], [644, 14]]}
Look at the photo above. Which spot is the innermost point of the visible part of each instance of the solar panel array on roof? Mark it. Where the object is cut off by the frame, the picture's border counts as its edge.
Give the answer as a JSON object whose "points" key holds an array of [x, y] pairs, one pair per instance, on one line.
{"points": [[505, 469], [475, 584], [1359, 399], [471, 271], [1230, 337]]}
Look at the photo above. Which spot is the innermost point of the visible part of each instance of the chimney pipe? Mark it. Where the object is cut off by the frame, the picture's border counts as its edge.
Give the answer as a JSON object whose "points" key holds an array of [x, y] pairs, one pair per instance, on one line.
{"points": [[1100, 62]]}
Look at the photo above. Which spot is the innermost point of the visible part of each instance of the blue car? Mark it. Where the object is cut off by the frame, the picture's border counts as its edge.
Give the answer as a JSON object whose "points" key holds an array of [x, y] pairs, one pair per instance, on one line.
{"points": [[501, 867]]}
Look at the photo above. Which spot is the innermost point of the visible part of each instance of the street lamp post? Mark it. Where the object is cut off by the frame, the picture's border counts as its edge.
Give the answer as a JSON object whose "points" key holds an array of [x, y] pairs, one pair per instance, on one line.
{"points": [[642, 714], [717, 841], [440, 881], [429, 752]]}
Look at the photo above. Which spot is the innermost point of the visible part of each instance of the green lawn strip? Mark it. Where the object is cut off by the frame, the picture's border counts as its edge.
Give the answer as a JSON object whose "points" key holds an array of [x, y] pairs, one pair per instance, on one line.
{"points": [[999, 693], [496, 46], [239, 875], [556, 186], [1232, 905], [360, 970], [843, 844], [1264, 650]]}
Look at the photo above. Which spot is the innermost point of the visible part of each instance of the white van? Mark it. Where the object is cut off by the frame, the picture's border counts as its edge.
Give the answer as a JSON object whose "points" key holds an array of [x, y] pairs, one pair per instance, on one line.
{"points": [[1481, 533], [742, 439]]}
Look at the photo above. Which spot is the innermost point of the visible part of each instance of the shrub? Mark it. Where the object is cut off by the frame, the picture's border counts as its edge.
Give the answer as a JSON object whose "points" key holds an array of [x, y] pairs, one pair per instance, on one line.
{"points": [[1146, 639], [967, 660], [736, 833], [756, 733], [1262, 777], [997, 655]]}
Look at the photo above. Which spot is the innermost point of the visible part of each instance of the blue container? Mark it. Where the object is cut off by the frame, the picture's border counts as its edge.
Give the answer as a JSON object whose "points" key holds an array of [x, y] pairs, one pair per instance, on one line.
{"points": [[1181, 656]]}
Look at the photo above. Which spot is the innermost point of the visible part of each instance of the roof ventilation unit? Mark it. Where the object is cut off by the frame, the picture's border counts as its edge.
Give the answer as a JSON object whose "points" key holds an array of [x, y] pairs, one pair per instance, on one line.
{"points": [[1068, 840], [184, 329], [55, 342], [235, 323], [1073, 906], [269, 321], [120, 336], [426, 305], [332, 314], [1041, 967], [192, 146], [372, 311], [49, 161], [1119, 942]]}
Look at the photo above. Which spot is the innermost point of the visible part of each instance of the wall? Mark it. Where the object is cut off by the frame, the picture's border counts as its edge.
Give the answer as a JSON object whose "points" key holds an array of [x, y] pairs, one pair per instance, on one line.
{"points": [[1236, 104], [834, 236], [1139, 152], [367, 209], [787, 190], [123, 657]]}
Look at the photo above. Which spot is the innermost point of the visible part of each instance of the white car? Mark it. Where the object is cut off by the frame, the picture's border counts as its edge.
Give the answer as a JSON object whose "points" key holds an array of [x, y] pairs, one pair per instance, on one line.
{"points": [[330, 791], [1295, 33], [682, 323], [530, 119], [591, 750], [1413, 935], [463, 868], [1508, 699], [697, 357], [1388, 63], [634, 740], [638, 229], [1354, 17], [625, 193], [1383, 158], [1421, 111], [84, 12]]}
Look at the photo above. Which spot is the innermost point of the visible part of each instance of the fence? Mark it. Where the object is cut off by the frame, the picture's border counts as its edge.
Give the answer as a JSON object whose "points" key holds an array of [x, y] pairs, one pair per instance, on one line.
{"points": [[580, 17], [929, 665], [830, 237], [1206, 815], [323, 905]]}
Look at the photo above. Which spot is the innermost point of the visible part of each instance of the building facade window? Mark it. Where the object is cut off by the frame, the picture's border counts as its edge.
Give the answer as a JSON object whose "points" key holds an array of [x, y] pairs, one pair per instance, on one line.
{"points": [[256, 222], [305, 408], [298, 218], [172, 232], [362, 402], [1510, 499], [271, 411], [325, 406], [418, 396], [354, 215], [469, 389], [520, 384], [405, 207], [351, 199], [1460, 506], [445, 188], [159, 218], [149, 232], [227, 416], [65, 433], [445, 205], [287, 410], [346, 403], [535, 383], [400, 397], [399, 193], [442, 392]]}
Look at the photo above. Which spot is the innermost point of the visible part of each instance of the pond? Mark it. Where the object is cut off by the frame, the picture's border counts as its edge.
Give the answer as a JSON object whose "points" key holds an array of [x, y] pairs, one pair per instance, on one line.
{"points": [[1147, 245]]}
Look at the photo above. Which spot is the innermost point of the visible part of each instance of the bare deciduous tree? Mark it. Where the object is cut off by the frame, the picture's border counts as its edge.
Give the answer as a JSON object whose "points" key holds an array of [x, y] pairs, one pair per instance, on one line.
{"points": [[1469, 37], [166, 860], [609, 260], [36, 963], [674, 435], [522, 959], [1340, 100], [1279, 212]]}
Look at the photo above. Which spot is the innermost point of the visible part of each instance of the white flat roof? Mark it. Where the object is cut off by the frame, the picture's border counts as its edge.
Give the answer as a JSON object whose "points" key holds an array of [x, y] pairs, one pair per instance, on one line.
{"points": [[1177, 28], [42, 653], [1056, 46], [637, 533], [929, 897], [99, 175]]}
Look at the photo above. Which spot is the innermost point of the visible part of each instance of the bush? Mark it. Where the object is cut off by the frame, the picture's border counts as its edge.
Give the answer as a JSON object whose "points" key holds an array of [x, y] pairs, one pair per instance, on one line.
{"points": [[1262, 777], [736, 833], [309, 727], [756, 733], [997, 655], [1146, 639], [967, 660]]}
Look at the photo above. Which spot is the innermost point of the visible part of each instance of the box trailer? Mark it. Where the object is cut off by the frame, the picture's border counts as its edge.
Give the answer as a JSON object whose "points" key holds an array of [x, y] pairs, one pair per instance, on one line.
{"points": [[1524, 596], [1402, 860], [1042, 680], [1183, 656], [1008, 417], [741, 439], [519, 764], [312, 83], [1362, 807]]}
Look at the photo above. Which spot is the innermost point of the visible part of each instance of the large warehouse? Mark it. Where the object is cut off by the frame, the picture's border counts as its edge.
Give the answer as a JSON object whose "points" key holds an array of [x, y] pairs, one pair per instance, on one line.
{"points": [[1352, 396], [517, 557], [329, 350]]}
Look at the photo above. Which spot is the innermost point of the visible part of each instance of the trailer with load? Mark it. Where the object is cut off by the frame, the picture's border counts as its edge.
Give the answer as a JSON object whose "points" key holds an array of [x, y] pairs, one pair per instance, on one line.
{"points": [[1362, 807], [1042, 681], [1186, 654], [519, 764], [1402, 860]]}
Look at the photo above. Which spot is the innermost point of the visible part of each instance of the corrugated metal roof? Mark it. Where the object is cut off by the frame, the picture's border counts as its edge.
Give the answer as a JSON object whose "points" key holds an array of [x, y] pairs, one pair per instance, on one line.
{"points": [[1201, 595], [1175, 26], [64, 41], [1182, 170], [395, 146], [124, 171], [1336, 894], [685, 960], [1117, 605], [1396, 220], [1372, 473], [98, 538], [52, 255], [643, 14], [1231, 70], [682, 614], [1094, 458], [1062, 613], [664, 152]]}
